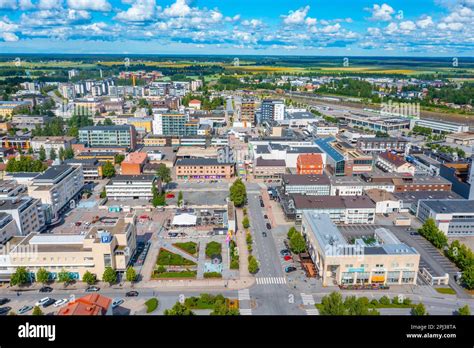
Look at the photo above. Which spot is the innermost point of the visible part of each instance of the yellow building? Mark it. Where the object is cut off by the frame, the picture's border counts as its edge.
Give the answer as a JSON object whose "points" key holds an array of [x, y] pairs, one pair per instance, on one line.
{"points": [[7, 107], [109, 243], [142, 123]]}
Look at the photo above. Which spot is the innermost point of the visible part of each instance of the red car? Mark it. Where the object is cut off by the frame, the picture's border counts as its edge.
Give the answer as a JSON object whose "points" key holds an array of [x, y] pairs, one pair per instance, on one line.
{"points": [[287, 258], [170, 195]]}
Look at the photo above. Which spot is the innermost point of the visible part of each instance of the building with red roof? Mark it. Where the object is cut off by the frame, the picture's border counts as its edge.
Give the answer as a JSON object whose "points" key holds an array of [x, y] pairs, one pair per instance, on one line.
{"points": [[92, 304]]}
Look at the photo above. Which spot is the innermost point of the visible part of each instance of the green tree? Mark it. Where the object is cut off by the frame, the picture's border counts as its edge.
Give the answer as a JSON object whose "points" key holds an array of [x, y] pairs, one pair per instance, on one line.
{"points": [[158, 199], [52, 154], [419, 309], [119, 158], [64, 277], [291, 232], [69, 153], [164, 173], [332, 304], [89, 278], [220, 308], [465, 310], [103, 194], [238, 193], [180, 198], [108, 170], [179, 309], [297, 243], [468, 277], [42, 154], [130, 274], [37, 311], [253, 264], [20, 277], [109, 276], [246, 222], [432, 233], [42, 276], [61, 153]]}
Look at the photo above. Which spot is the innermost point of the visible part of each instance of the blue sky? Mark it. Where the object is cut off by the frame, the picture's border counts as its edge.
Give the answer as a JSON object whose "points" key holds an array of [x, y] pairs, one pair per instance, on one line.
{"points": [[297, 27]]}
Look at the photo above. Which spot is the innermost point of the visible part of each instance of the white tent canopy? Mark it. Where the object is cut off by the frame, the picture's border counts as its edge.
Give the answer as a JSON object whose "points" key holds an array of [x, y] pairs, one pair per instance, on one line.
{"points": [[184, 220]]}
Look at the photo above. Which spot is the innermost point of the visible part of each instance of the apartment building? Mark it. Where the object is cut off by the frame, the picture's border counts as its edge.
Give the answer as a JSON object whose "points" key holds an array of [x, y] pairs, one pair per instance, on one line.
{"points": [[203, 168], [26, 211], [247, 111], [91, 168], [7, 107], [51, 142], [58, 187], [29, 122], [93, 136], [269, 169], [387, 261], [341, 209], [109, 243], [272, 110], [312, 185], [132, 186], [8, 227], [393, 163], [175, 124]]}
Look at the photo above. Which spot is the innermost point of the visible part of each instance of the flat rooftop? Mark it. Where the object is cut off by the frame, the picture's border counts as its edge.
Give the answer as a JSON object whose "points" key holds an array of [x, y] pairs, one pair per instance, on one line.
{"points": [[450, 206]]}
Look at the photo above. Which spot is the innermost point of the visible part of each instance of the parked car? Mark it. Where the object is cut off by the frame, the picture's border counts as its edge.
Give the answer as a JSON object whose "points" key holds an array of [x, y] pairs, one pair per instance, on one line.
{"points": [[92, 289], [3, 301], [265, 216], [117, 302], [46, 289], [269, 226], [170, 195], [264, 234], [287, 258], [285, 252], [60, 302], [290, 269], [132, 293], [5, 310], [172, 234], [78, 223], [414, 234], [25, 309], [262, 205], [43, 300], [49, 302]]}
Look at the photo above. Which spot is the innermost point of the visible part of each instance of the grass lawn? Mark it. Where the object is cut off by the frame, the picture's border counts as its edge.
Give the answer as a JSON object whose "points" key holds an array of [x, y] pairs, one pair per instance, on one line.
{"points": [[181, 274], [167, 258], [151, 305], [212, 275], [447, 291], [213, 248], [189, 247]]}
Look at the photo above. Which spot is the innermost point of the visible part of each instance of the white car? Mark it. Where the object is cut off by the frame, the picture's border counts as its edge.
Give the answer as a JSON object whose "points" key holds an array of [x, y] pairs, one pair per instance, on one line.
{"points": [[117, 302], [43, 300], [61, 302]]}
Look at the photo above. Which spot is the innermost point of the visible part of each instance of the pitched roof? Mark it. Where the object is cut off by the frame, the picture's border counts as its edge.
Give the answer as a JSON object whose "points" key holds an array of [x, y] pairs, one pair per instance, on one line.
{"points": [[92, 304]]}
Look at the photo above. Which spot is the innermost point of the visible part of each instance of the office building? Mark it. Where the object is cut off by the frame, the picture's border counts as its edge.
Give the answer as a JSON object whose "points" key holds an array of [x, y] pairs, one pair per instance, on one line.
{"points": [[96, 136], [453, 217], [381, 144], [312, 185], [132, 186], [440, 126], [272, 110], [269, 169], [310, 164], [387, 261], [203, 168], [59, 187], [175, 124], [109, 243]]}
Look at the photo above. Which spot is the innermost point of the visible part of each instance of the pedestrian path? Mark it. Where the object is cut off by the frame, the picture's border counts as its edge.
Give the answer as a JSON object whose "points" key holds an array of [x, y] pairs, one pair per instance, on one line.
{"points": [[244, 311], [244, 294], [270, 280], [307, 299]]}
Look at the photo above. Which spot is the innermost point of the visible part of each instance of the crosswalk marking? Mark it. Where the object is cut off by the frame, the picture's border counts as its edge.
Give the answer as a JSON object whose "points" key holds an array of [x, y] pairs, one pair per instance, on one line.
{"points": [[307, 299], [244, 295], [271, 280], [312, 311], [245, 311]]}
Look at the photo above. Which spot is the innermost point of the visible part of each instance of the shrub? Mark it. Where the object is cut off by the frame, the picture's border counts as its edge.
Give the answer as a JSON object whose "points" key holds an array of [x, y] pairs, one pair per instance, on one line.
{"points": [[213, 248], [151, 305], [212, 275], [384, 300]]}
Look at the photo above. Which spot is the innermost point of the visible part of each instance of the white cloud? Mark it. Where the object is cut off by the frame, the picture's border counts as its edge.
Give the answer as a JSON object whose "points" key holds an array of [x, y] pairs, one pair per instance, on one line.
{"points": [[49, 4], [178, 9], [392, 28], [8, 4], [93, 5], [451, 26], [254, 23], [296, 17], [382, 12], [374, 31], [425, 22], [407, 26], [9, 37], [331, 28], [141, 10], [311, 21], [26, 4], [75, 15]]}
